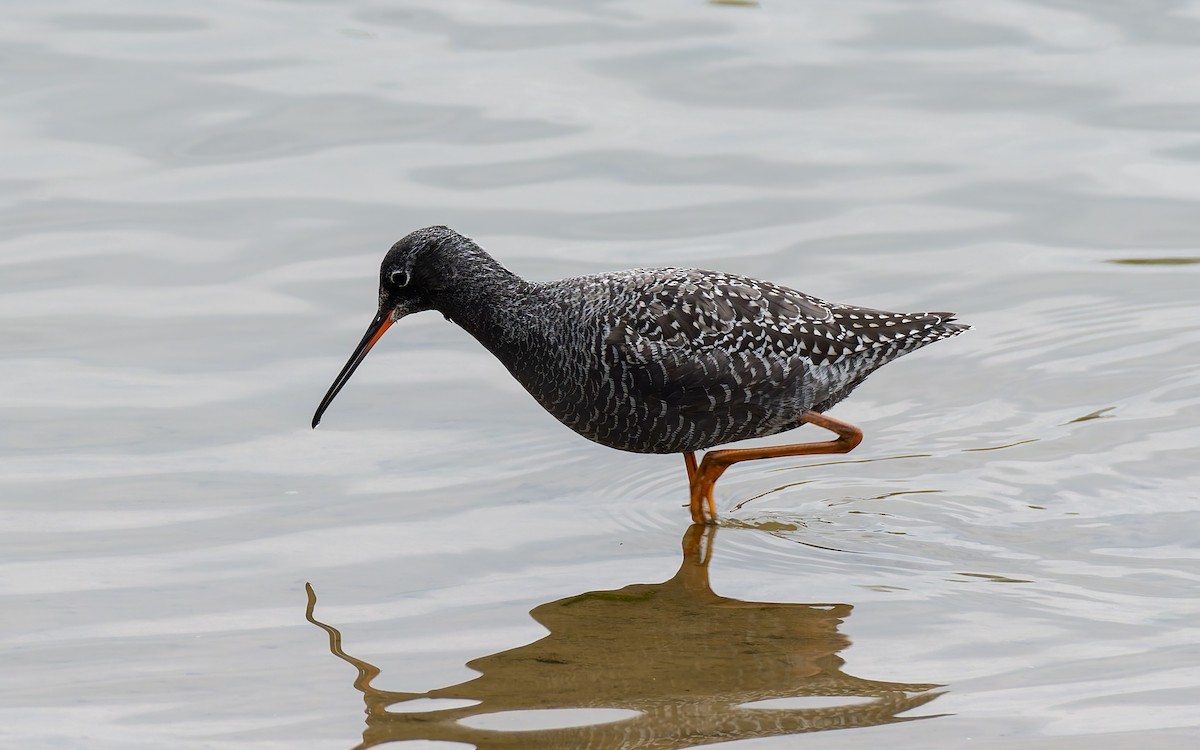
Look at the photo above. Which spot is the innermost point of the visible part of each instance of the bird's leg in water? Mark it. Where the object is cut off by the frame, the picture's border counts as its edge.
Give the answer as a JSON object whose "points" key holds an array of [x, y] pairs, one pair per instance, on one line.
{"points": [[716, 462]]}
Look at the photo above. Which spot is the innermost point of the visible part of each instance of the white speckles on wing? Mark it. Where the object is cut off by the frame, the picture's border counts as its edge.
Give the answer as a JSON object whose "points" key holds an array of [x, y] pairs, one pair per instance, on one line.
{"points": [[667, 360]]}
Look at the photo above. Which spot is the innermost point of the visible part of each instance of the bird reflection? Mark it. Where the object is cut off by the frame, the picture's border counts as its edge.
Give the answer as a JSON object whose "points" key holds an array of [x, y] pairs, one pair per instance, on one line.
{"points": [[684, 658]]}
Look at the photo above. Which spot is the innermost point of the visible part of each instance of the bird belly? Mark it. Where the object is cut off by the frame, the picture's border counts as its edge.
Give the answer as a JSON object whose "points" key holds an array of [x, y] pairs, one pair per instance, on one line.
{"points": [[616, 413]]}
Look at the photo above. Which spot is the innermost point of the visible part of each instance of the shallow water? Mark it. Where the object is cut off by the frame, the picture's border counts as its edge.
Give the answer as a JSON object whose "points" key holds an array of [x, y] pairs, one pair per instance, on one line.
{"points": [[194, 206]]}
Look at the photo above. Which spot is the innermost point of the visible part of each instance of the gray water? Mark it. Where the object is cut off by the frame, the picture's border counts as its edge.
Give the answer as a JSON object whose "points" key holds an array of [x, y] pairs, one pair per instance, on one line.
{"points": [[194, 202]]}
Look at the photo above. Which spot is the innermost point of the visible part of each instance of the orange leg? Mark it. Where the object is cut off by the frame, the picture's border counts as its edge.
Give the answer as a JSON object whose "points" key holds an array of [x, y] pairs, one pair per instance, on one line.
{"points": [[689, 459], [716, 462]]}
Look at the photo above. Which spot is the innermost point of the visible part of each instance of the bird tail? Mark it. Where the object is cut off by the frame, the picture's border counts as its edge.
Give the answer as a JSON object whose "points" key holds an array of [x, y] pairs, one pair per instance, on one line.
{"points": [[948, 324]]}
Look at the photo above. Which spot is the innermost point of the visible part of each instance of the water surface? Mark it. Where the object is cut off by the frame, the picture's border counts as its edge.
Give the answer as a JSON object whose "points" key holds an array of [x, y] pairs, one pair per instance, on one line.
{"points": [[194, 204]]}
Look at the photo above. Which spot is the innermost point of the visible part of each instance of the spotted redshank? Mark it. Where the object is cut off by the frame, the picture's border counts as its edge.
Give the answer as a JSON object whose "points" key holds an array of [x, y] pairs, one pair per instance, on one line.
{"points": [[655, 360]]}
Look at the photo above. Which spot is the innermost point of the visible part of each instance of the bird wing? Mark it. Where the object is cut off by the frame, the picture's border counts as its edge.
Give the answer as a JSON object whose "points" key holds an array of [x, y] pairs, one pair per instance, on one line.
{"points": [[709, 342], [733, 357]]}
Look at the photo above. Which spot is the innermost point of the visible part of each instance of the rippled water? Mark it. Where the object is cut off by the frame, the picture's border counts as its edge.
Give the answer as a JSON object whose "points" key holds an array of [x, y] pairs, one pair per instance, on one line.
{"points": [[194, 204]]}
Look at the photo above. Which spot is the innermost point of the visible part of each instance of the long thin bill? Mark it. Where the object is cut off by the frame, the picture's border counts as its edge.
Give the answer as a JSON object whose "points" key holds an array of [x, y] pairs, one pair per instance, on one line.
{"points": [[380, 324]]}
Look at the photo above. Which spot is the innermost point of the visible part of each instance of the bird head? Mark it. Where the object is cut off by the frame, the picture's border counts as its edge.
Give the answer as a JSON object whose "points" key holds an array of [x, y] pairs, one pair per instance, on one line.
{"points": [[415, 271]]}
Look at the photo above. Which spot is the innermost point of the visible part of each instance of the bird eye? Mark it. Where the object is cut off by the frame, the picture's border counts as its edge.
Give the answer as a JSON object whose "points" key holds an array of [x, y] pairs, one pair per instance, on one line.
{"points": [[399, 278]]}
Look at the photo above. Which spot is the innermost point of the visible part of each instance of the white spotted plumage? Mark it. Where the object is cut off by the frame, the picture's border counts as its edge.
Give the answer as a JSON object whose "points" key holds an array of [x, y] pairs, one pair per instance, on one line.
{"points": [[662, 360]]}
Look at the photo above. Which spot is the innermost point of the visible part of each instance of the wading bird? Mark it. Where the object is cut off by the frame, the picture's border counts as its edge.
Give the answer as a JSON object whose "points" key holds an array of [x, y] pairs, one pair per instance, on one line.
{"points": [[655, 360]]}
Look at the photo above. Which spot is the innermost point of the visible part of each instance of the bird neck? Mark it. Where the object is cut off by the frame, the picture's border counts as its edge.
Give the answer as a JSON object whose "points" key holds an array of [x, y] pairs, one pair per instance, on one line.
{"points": [[485, 301]]}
